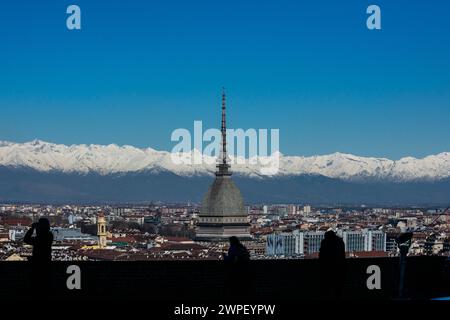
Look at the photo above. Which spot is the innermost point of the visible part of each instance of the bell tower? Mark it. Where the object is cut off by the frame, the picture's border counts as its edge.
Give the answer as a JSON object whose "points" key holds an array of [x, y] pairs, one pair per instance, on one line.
{"points": [[101, 231]]}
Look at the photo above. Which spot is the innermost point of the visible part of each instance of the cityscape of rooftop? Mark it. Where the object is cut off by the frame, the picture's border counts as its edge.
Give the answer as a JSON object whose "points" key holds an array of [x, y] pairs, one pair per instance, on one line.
{"points": [[167, 231], [201, 231]]}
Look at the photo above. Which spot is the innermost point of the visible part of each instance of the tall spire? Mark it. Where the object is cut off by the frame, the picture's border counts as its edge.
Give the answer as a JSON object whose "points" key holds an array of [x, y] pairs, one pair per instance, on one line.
{"points": [[223, 165]]}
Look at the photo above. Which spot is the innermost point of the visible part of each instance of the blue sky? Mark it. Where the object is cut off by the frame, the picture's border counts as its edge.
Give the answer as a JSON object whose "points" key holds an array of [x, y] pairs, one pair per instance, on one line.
{"points": [[140, 69]]}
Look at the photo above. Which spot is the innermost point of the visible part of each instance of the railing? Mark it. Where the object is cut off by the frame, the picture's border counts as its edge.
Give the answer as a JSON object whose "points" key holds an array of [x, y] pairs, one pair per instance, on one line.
{"points": [[269, 280]]}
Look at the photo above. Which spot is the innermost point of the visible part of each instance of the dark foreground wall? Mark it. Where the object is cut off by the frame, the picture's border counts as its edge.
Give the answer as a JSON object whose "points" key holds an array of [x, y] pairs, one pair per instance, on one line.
{"points": [[268, 280]]}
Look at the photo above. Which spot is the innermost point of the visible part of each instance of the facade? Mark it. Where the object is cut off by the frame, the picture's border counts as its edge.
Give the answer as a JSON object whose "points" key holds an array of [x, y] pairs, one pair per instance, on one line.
{"points": [[313, 240], [223, 214], [294, 244], [391, 245], [306, 210], [101, 231], [71, 234], [17, 233], [354, 241], [285, 244], [365, 240], [309, 242], [377, 241], [292, 209]]}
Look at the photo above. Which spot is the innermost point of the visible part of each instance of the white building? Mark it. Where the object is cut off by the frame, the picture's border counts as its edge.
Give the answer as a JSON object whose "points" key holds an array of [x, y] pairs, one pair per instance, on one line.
{"points": [[309, 242], [295, 243], [306, 210], [284, 244], [365, 240], [292, 209], [17, 233], [313, 241]]}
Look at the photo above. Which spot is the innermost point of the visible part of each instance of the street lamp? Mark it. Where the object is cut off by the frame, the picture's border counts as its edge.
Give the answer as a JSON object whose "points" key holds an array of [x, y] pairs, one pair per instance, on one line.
{"points": [[404, 243]]}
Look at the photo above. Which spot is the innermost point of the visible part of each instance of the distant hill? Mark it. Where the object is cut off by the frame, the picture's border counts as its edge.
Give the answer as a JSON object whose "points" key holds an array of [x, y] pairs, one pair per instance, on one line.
{"points": [[47, 172], [20, 184]]}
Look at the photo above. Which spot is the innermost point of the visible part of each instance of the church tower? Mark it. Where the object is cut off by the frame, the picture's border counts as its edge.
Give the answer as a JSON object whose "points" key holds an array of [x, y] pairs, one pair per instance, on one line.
{"points": [[101, 231], [223, 214]]}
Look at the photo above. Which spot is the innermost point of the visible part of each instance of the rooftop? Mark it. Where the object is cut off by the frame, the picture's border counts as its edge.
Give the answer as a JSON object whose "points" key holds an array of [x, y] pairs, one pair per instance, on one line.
{"points": [[223, 198]]}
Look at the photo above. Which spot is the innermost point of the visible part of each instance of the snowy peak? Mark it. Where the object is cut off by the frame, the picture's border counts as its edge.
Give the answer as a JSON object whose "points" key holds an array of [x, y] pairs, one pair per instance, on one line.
{"points": [[109, 159]]}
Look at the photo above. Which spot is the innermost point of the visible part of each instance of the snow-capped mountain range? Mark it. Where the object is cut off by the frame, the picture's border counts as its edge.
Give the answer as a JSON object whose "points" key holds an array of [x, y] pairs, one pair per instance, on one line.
{"points": [[112, 159]]}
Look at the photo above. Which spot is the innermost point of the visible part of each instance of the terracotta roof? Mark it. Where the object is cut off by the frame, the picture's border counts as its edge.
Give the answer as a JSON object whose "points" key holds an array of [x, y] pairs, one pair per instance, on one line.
{"points": [[178, 239], [181, 246], [367, 254], [16, 221], [127, 239]]}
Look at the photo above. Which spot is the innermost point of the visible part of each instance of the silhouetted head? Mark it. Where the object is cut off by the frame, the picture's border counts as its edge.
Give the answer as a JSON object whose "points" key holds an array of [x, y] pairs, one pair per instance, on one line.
{"points": [[404, 238], [43, 226], [234, 241], [329, 235]]}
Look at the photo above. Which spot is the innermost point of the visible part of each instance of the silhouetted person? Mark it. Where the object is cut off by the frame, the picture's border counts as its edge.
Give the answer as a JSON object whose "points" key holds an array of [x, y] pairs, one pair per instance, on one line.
{"points": [[237, 252], [238, 280], [42, 242], [332, 265], [42, 255]]}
